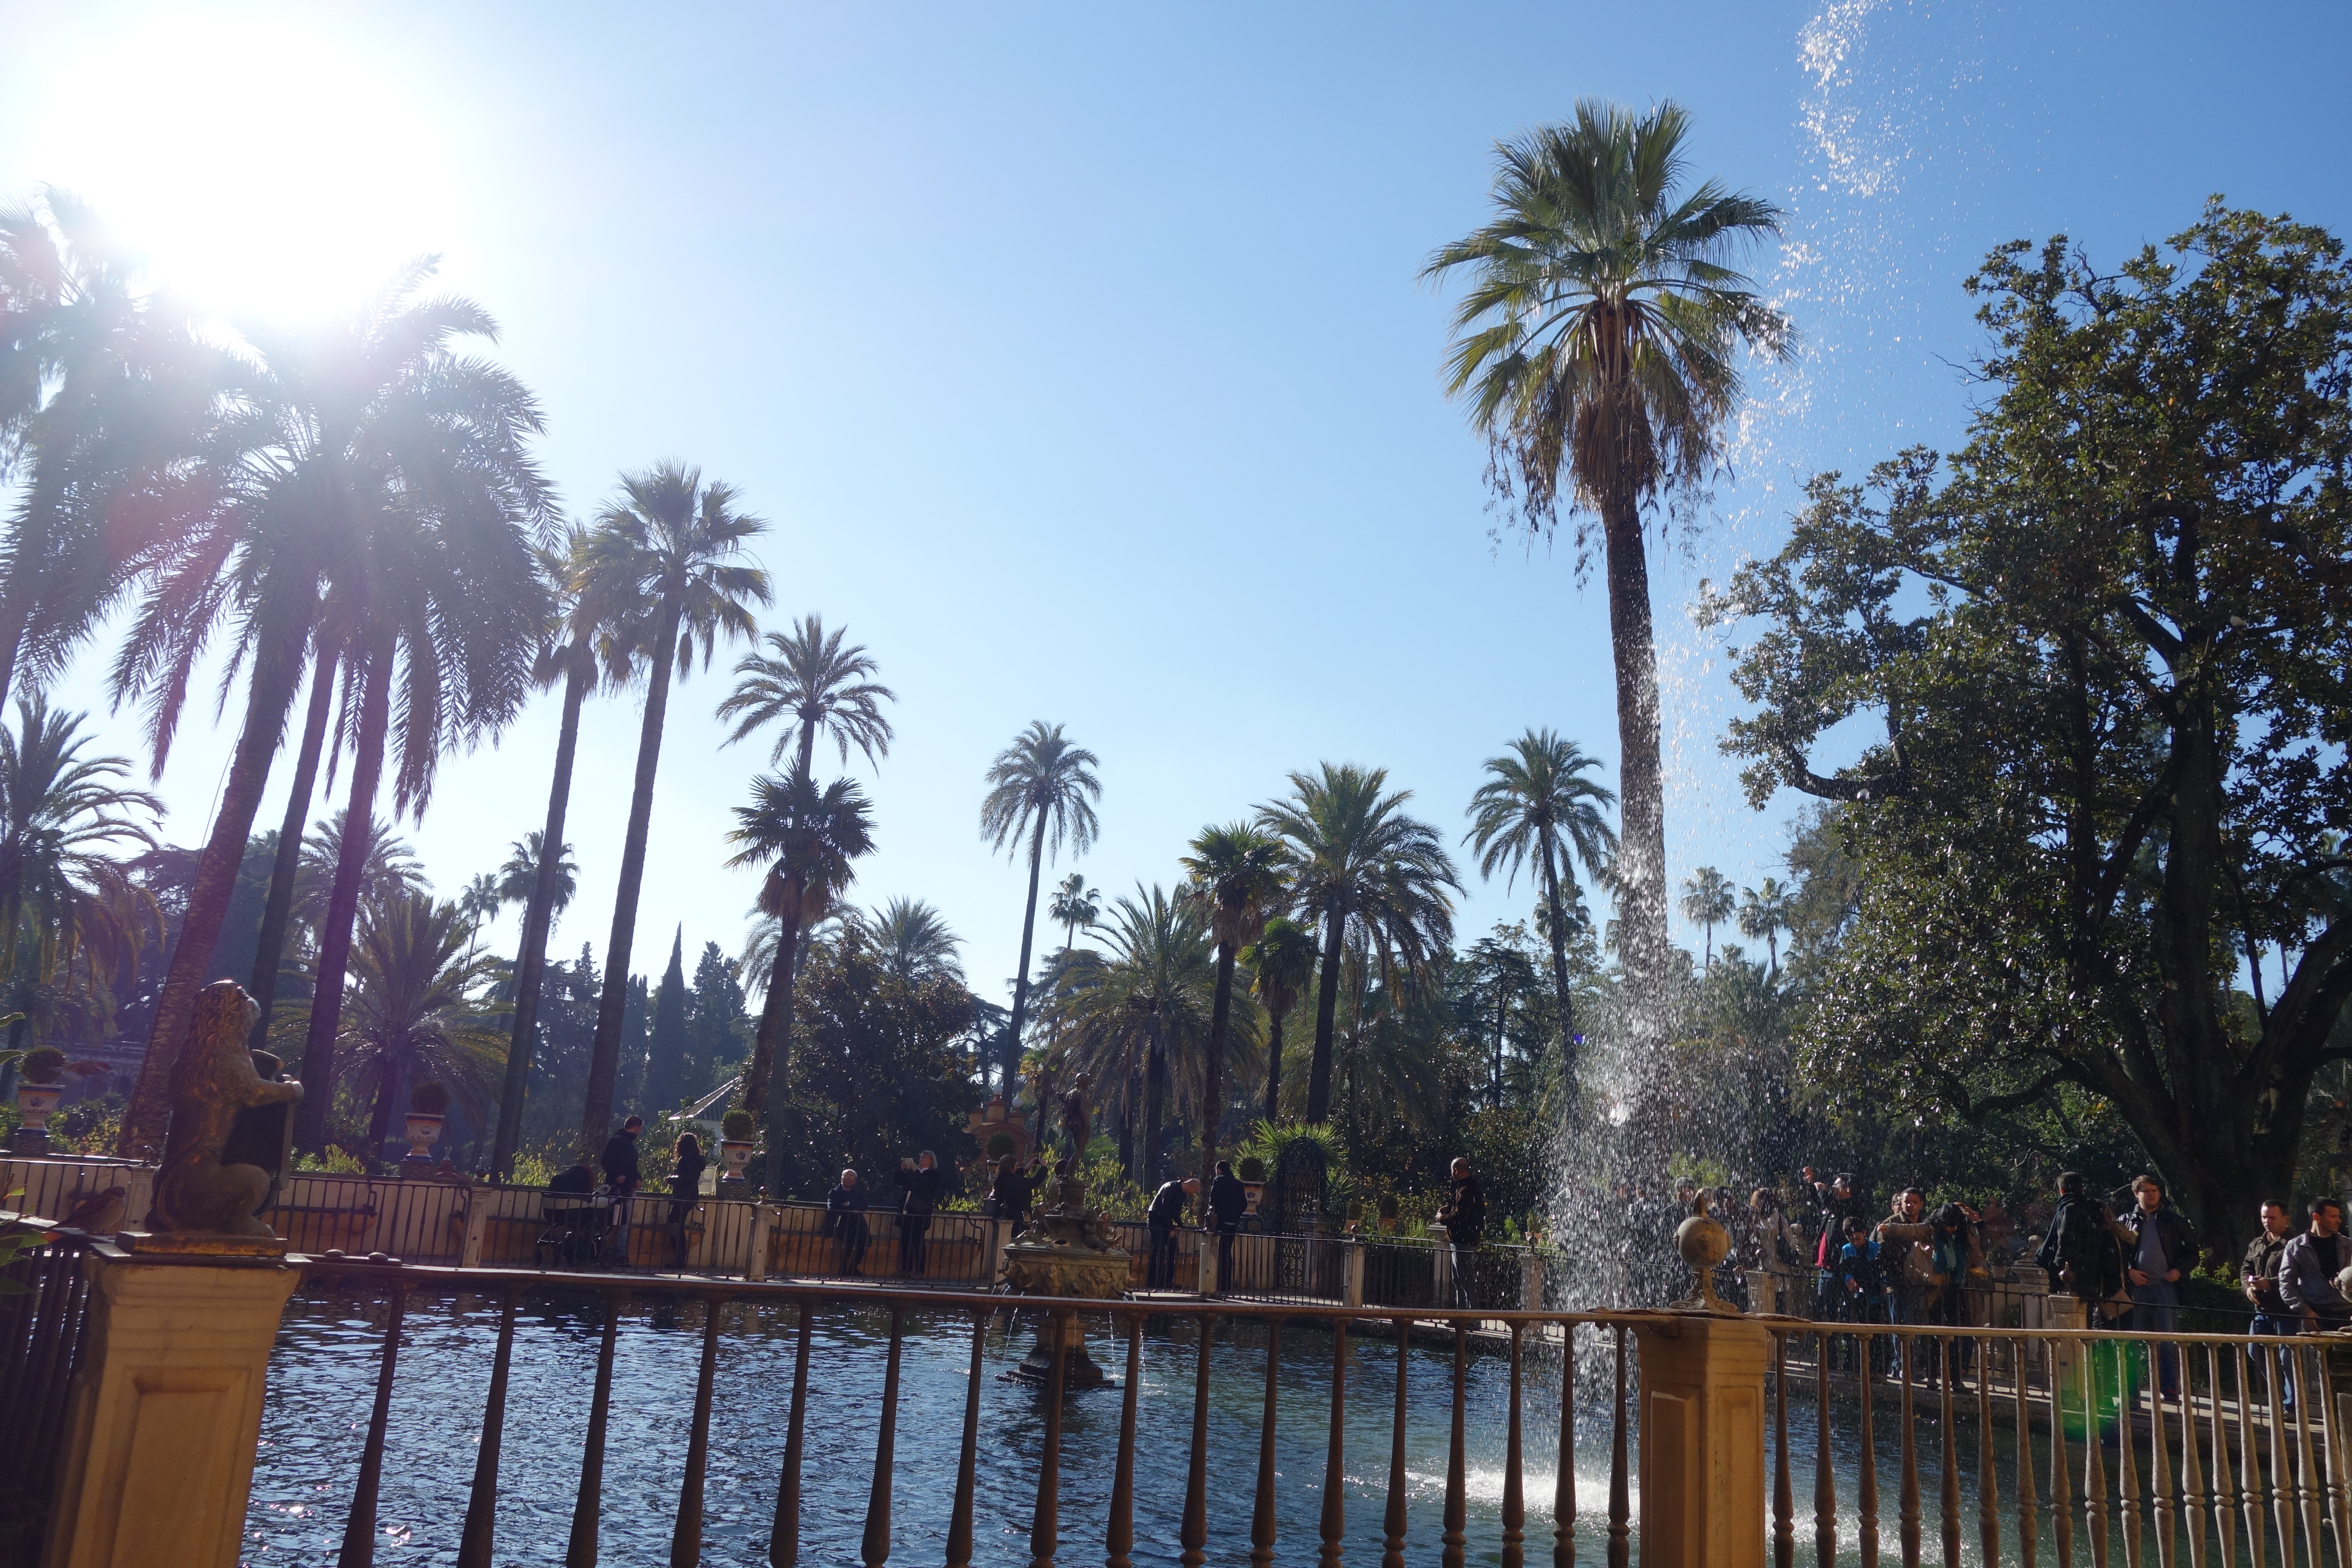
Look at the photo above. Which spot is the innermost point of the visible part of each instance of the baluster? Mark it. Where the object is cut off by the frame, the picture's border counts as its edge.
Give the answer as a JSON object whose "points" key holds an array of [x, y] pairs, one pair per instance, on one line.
{"points": [[1457, 1491], [2062, 1514], [1824, 1474], [2250, 1464], [686, 1538], [359, 1529], [2331, 1470], [1045, 1523], [1947, 1348], [1262, 1530], [1515, 1508], [580, 1551], [784, 1537], [2282, 1503], [482, 1505], [1988, 1482], [1866, 1381], [1621, 1528], [1908, 1503], [2126, 1409], [2027, 1507], [1335, 1463], [1563, 1505], [2094, 1460], [1784, 1520], [2311, 1390], [2159, 1461], [1193, 1533], [967, 1457], [2194, 1501], [1121, 1537], [875, 1546]]}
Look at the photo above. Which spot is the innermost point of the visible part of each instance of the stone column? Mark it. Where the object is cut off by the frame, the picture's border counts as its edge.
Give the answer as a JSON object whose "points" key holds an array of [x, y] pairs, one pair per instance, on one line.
{"points": [[478, 1225], [755, 1266], [1702, 1465], [1531, 1282], [1205, 1252], [1355, 1275], [1441, 1262], [1000, 1236], [165, 1412]]}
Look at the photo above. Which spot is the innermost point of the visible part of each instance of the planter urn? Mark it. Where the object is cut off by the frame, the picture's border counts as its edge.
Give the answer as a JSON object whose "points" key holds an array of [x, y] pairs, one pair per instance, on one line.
{"points": [[734, 1156], [424, 1131], [36, 1102]]}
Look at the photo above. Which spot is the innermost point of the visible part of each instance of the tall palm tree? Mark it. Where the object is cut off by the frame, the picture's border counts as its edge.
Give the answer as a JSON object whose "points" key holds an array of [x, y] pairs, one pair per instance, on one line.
{"points": [[913, 940], [278, 911], [671, 546], [413, 1012], [1360, 862], [592, 616], [374, 487], [1765, 911], [807, 838], [1709, 899], [1597, 346], [1238, 881], [389, 867], [1045, 788], [809, 682], [1536, 800], [1281, 963], [1141, 1012], [1075, 905], [478, 901]]}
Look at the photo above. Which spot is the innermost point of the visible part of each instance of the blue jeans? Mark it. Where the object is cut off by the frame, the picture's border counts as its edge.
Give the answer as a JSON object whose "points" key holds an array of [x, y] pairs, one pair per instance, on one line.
{"points": [[2282, 1358], [2156, 1309]]}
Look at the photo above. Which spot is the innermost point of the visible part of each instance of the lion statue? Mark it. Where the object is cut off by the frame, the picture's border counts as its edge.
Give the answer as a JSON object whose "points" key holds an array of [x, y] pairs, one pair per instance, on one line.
{"points": [[215, 1080]]}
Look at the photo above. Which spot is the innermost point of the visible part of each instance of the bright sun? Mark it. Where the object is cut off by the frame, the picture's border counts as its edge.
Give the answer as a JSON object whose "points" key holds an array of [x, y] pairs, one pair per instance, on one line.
{"points": [[263, 170]]}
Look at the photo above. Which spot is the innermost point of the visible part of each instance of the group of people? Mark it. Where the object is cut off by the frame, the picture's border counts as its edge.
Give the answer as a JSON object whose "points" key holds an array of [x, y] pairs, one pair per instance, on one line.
{"points": [[918, 1179], [619, 1164]]}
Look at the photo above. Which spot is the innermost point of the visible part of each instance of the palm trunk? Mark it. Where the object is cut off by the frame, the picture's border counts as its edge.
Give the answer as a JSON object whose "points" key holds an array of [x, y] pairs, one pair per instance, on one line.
{"points": [[1021, 979], [530, 963], [808, 749], [1212, 1099], [772, 1052], [1155, 1105], [1642, 856], [604, 1057], [387, 1087], [1501, 1019], [12, 617], [1273, 1061], [1126, 1132], [1326, 1012], [269, 952], [343, 904], [1559, 967], [269, 693]]}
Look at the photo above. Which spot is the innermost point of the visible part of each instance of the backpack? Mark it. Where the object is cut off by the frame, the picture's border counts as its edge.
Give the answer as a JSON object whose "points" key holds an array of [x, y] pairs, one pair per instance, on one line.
{"points": [[2087, 1251]]}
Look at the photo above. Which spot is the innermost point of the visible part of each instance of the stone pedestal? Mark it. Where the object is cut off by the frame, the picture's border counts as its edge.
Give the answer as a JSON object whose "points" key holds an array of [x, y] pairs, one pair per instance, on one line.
{"points": [[1083, 1272], [1702, 1465], [166, 1411]]}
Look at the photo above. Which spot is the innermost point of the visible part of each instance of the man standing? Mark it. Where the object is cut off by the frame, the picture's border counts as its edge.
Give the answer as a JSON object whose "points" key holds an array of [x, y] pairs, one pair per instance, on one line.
{"points": [[845, 1215], [2164, 1249], [2308, 1265], [2260, 1280], [1465, 1218], [919, 1179], [1227, 1200], [2079, 1253], [1166, 1213], [1908, 1259], [1835, 1204], [621, 1180]]}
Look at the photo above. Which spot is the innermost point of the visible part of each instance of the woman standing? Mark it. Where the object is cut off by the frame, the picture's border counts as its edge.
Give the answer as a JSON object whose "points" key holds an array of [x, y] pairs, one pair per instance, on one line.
{"points": [[687, 1165]]}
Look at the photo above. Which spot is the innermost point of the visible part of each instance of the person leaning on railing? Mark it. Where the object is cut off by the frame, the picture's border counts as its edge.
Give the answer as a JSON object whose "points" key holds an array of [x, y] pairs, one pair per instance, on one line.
{"points": [[2308, 1265], [1166, 1213]]}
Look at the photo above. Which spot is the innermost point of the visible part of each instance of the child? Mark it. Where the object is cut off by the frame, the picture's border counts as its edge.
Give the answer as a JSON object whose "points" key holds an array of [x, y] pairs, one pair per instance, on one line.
{"points": [[1861, 1282]]}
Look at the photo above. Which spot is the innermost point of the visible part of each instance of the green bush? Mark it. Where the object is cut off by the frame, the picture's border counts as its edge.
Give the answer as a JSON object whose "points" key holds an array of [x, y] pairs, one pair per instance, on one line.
{"points": [[1388, 1206], [738, 1124], [43, 1065], [1253, 1169], [429, 1098], [1000, 1145]]}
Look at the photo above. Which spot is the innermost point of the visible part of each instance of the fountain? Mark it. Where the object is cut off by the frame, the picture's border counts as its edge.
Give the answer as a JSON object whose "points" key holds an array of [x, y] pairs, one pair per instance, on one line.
{"points": [[1067, 1250]]}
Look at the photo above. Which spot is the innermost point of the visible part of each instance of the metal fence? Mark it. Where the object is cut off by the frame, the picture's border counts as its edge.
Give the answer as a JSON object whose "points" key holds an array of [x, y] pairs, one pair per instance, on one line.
{"points": [[44, 1320]]}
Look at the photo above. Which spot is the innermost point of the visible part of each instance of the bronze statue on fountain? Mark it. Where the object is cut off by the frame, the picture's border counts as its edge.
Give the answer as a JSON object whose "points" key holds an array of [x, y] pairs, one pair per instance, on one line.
{"points": [[1067, 1250]]}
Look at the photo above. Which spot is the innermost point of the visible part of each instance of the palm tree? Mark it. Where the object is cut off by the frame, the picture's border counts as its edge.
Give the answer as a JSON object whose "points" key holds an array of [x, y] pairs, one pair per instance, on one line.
{"points": [[1281, 962], [809, 682], [1041, 785], [480, 900], [1360, 861], [1142, 1011], [592, 616], [389, 867], [1596, 346], [1237, 876], [913, 940], [807, 838], [413, 1012], [1532, 799], [1075, 905], [668, 546], [373, 490], [277, 913], [1709, 899], [1765, 911]]}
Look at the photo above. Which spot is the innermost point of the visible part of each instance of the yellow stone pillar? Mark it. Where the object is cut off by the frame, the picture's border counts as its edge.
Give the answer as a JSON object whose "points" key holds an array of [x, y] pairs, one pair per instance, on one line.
{"points": [[1703, 1440], [166, 1413]]}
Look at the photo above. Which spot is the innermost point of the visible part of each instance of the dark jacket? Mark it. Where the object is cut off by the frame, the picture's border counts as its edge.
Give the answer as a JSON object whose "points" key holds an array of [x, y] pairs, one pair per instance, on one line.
{"points": [[578, 1179], [843, 1206], [1228, 1199], [1465, 1216], [2307, 1269], [922, 1190], [2080, 1253], [686, 1175], [1015, 1191], [2172, 1229], [1167, 1208], [1830, 1215], [2263, 1255], [620, 1162]]}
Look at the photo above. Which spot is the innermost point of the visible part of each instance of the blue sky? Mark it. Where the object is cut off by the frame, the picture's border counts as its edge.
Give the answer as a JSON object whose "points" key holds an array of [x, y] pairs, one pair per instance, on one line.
{"points": [[1077, 355]]}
